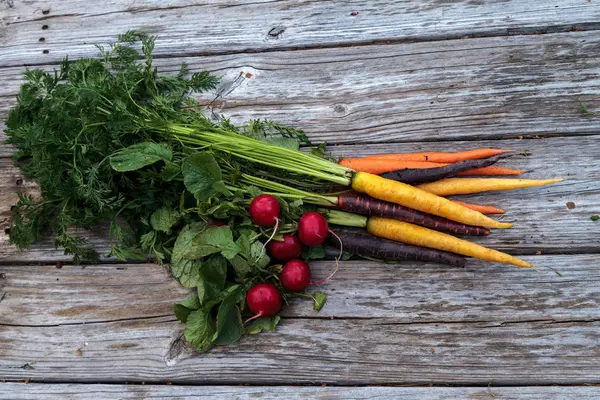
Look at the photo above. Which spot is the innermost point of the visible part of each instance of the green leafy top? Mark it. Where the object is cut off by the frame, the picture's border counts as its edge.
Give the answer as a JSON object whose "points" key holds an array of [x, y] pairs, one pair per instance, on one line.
{"points": [[91, 134]]}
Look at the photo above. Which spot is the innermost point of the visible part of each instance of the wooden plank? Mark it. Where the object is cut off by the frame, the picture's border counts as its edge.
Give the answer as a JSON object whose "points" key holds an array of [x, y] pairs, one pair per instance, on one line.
{"points": [[39, 32], [410, 292], [475, 89], [543, 221], [19, 391], [309, 351]]}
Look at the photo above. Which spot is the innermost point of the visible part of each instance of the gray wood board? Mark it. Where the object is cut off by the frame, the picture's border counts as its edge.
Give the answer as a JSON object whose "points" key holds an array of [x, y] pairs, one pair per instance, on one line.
{"points": [[449, 90], [36, 31], [309, 351], [564, 288], [543, 221], [20, 391]]}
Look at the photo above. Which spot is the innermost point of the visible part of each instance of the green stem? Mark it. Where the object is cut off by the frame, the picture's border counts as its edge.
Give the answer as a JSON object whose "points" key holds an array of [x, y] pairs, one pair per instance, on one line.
{"points": [[336, 217], [262, 153]]}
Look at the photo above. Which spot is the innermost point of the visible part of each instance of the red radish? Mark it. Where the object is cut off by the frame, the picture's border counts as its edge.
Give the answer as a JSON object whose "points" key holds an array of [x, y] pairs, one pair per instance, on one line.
{"points": [[264, 210], [295, 276], [289, 248], [264, 300], [313, 229]]}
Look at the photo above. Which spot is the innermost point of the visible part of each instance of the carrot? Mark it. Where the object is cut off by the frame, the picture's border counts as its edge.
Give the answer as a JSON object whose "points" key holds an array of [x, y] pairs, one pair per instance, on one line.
{"points": [[491, 171], [377, 167], [414, 176], [481, 208], [442, 157], [365, 205], [418, 199], [451, 186], [420, 236], [361, 243]]}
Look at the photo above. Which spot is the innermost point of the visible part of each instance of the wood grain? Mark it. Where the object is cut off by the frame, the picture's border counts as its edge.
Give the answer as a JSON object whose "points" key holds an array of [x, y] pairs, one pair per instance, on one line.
{"points": [[543, 221], [310, 351], [19, 391], [484, 88], [409, 292], [61, 28]]}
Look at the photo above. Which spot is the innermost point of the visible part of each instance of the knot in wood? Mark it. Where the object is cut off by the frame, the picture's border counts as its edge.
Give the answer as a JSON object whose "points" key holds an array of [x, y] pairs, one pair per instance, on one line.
{"points": [[276, 32], [339, 109]]}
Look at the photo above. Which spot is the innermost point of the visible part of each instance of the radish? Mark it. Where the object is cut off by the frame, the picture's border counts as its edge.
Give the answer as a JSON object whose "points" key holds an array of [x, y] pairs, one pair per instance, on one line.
{"points": [[264, 210], [295, 276], [264, 300], [313, 229], [289, 248]]}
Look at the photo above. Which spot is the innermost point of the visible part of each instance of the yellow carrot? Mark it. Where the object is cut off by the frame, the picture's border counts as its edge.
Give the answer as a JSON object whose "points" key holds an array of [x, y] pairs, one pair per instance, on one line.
{"points": [[419, 236], [409, 196], [452, 186]]}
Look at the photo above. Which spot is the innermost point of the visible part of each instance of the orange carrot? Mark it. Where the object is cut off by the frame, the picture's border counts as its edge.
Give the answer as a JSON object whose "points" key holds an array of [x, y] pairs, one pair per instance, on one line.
{"points": [[377, 167], [481, 208], [492, 170], [438, 157]]}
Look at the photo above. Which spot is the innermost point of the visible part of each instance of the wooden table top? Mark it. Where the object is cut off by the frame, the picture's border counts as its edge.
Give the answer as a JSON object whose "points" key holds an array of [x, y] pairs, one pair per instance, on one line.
{"points": [[367, 77]]}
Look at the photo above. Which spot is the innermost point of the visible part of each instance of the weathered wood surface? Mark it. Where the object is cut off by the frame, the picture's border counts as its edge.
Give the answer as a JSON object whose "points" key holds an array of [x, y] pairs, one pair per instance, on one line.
{"points": [[541, 214], [413, 323], [310, 351], [409, 292], [474, 89], [191, 27], [20, 391], [380, 76]]}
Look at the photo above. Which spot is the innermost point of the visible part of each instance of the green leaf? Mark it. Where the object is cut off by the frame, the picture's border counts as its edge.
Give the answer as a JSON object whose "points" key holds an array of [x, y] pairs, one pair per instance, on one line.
{"points": [[213, 240], [595, 218], [184, 308], [243, 244], [213, 273], [229, 322], [258, 255], [263, 324], [320, 300], [170, 171], [163, 219], [199, 331], [200, 174], [220, 188], [140, 155], [241, 267], [312, 253], [288, 143], [186, 271]]}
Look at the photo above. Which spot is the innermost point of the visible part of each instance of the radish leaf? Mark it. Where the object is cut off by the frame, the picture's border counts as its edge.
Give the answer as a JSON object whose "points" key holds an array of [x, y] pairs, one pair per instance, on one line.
{"points": [[198, 330], [163, 219], [201, 175], [140, 155], [229, 321], [262, 325]]}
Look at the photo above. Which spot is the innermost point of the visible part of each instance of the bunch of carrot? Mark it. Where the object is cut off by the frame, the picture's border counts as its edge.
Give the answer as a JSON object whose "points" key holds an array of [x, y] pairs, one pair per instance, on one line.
{"points": [[423, 182]]}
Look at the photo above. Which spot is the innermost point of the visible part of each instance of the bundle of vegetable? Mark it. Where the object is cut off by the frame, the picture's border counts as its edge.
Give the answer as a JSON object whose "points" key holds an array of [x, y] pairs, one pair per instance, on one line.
{"points": [[111, 140]]}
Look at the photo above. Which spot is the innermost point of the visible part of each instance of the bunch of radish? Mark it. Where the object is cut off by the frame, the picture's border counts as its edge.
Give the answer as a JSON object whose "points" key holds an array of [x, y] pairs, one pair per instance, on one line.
{"points": [[265, 299]]}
